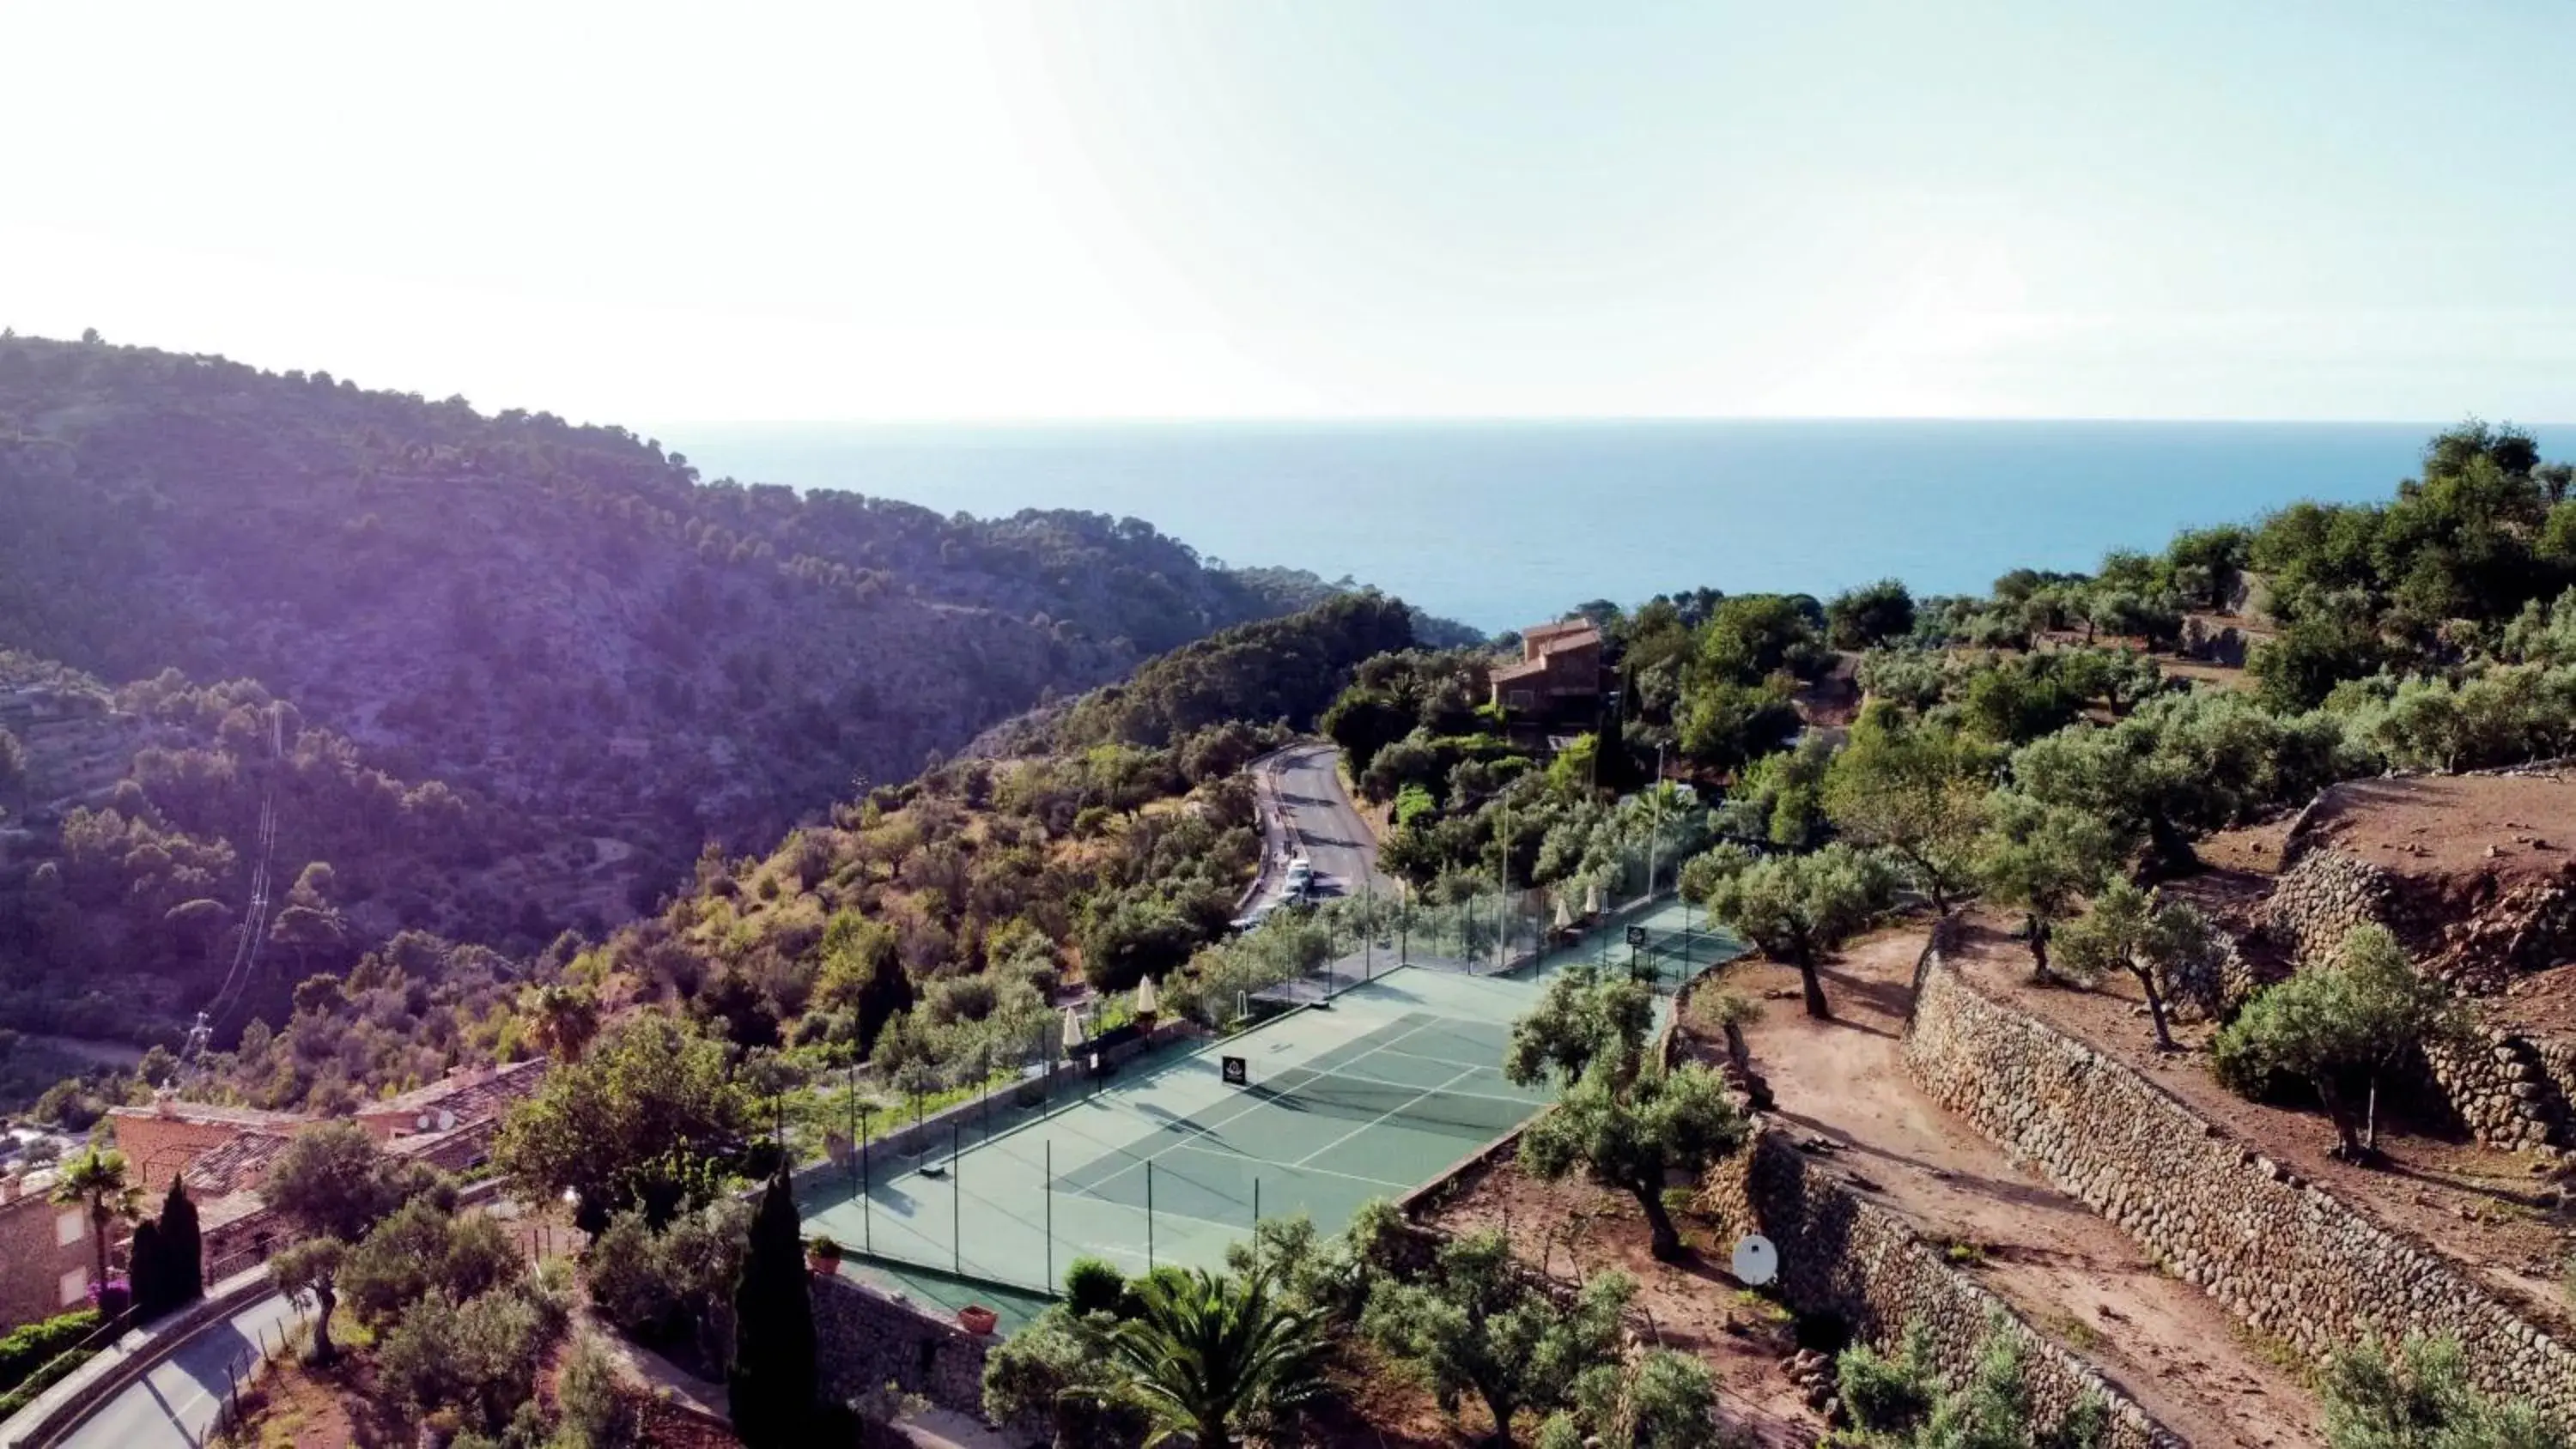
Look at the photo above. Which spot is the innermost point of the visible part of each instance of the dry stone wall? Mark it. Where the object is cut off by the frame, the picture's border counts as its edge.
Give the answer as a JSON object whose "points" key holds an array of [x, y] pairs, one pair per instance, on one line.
{"points": [[865, 1340], [2320, 899], [1845, 1256], [2502, 1087], [2284, 1255]]}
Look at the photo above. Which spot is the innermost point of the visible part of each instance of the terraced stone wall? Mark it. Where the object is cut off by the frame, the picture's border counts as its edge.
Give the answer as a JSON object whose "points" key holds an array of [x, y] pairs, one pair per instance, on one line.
{"points": [[2284, 1255], [1864, 1264]]}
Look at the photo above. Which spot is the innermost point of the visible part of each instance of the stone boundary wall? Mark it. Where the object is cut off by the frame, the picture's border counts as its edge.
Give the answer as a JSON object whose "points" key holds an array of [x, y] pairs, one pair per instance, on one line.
{"points": [[1845, 1256], [2285, 1256], [865, 1340]]}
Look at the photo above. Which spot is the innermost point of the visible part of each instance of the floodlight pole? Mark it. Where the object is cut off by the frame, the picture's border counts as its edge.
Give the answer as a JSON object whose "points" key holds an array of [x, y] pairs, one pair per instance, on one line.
{"points": [[956, 1200]]}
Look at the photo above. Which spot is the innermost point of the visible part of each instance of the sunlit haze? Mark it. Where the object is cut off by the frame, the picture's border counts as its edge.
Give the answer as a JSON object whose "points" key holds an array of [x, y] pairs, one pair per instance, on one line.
{"points": [[938, 211]]}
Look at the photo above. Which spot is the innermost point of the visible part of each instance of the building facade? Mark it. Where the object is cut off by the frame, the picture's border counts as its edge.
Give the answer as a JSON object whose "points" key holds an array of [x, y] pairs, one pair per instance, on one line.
{"points": [[46, 1252]]}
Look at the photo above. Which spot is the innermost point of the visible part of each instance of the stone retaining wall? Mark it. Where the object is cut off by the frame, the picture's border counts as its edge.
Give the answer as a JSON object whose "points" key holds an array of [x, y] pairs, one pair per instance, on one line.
{"points": [[2319, 900], [1845, 1256], [864, 1340], [2285, 1256], [2502, 1088]]}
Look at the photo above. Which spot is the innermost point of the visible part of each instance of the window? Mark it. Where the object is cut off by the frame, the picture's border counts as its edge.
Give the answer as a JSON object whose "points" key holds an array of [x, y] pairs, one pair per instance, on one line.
{"points": [[1520, 699], [70, 1228], [75, 1286]]}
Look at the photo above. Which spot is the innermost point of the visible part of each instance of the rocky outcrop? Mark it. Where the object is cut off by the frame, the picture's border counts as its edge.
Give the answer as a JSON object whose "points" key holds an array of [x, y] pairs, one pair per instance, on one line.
{"points": [[1844, 1257], [2284, 1255]]}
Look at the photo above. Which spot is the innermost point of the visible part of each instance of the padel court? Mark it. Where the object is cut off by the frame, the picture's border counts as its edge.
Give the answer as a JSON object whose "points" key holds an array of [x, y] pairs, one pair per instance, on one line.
{"points": [[1175, 1157]]}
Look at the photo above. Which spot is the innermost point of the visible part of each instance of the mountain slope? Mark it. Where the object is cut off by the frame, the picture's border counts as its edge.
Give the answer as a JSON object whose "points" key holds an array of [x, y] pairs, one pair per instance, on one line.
{"points": [[561, 619]]}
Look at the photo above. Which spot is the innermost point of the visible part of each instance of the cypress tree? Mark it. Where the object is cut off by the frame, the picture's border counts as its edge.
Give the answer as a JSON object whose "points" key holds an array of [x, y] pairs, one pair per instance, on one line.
{"points": [[772, 1378], [147, 1273], [183, 1249]]}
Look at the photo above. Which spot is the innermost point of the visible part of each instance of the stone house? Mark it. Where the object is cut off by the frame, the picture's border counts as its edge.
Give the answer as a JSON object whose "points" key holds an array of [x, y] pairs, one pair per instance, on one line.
{"points": [[162, 1140], [1558, 678], [46, 1255], [442, 1119]]}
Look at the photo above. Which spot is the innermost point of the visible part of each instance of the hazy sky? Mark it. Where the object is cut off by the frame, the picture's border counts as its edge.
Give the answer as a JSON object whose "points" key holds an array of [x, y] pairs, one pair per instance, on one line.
{"points": [[1221, 208]]}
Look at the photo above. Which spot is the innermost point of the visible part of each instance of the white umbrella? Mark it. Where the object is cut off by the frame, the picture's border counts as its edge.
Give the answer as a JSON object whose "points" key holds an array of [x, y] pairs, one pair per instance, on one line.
{"points": [[1146, 1003], [1072, 1029], [1564, 913], [1592, 898]]}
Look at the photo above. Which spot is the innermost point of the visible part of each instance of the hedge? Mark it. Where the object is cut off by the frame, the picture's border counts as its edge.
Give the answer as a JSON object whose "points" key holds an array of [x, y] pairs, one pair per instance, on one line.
{"points": [[34, 1344], [54, 1371]]}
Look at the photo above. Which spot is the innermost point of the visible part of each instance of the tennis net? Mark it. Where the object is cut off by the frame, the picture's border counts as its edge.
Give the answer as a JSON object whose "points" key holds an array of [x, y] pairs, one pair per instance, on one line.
{"points": [[1368, 1099]]}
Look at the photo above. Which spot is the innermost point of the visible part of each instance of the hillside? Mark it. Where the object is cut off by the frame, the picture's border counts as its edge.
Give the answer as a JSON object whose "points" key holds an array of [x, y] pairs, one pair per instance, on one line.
{"points": [[563, 620]]}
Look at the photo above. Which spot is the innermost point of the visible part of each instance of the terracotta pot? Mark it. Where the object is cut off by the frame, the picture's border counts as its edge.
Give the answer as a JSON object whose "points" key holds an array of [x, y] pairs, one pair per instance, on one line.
{"points": [[823, 1265], [976, 1319]]}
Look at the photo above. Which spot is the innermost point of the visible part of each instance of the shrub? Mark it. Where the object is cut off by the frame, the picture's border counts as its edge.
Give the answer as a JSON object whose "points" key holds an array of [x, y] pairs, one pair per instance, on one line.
{"points": [[29, 1347], [51, 1372], [1092, 1285]]}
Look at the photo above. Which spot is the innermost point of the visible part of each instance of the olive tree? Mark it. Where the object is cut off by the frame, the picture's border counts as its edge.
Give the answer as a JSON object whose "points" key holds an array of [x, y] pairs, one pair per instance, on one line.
{"points": [[2044, 857], [2140, 932], [2329, 1024], [1795, 907], [1915, 790], [1478, 1325]]}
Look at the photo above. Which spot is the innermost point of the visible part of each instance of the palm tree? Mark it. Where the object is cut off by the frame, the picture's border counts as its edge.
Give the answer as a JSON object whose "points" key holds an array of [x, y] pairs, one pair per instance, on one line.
{"points": [[1209, 1351], [96, 1180], [564, 1020]]}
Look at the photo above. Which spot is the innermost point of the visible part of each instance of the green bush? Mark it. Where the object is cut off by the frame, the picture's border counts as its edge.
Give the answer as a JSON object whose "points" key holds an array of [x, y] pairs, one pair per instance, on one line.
{"points": [[34, 1344], [53, 1371], [1094, 1286]]}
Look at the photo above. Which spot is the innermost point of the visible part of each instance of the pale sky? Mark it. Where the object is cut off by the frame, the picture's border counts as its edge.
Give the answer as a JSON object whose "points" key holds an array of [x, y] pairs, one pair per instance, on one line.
{"points": [[1217, 208]]}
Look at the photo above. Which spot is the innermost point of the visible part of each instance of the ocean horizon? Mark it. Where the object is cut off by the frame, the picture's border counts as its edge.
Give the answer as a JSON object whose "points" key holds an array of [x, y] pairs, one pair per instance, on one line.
{"points": [[1506, 523]]}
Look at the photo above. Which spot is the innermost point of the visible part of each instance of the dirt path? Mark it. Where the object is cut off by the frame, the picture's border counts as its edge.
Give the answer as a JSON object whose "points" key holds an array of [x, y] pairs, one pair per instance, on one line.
{"points": [[2066, 1270]]}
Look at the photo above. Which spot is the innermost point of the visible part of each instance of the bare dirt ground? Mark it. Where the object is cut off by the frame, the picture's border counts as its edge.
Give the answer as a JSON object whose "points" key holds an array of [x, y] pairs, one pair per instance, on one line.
{"points": [[2066, 1270], [2513, 827], [2483, 1208], [1572, 1230]]}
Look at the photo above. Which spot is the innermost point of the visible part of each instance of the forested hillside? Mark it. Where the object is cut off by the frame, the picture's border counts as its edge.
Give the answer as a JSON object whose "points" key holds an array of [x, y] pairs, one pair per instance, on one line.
{"points": [[926, 924], [564, 620]]}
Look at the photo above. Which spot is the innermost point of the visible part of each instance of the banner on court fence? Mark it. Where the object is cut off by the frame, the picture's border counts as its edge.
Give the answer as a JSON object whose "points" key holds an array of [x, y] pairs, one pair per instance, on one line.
{"points": [[1234, 1071]]}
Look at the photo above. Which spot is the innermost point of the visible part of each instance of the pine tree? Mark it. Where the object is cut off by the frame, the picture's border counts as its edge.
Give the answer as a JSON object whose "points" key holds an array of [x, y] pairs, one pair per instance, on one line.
{"points": [[772, 1379], [183, 1248]]}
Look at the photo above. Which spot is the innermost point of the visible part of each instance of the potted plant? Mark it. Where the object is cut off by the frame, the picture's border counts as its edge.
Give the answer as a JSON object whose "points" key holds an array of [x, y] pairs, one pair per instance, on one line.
{"points": [[977, 1319], [823, 1255]]}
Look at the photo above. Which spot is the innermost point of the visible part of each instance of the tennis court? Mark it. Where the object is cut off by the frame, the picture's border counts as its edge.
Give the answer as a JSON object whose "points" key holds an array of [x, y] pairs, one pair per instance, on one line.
{"points": [[1675, 942], [1169, 1161]]}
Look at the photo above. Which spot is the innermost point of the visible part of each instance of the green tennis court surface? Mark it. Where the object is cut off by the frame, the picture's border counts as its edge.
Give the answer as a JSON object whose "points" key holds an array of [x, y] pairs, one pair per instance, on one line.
{"points": [[1168, 1162], [1679, 943]]}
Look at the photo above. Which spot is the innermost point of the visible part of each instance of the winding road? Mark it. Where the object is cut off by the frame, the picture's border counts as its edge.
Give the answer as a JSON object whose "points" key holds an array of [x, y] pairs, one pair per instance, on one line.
{"points": [[1306, 809]]}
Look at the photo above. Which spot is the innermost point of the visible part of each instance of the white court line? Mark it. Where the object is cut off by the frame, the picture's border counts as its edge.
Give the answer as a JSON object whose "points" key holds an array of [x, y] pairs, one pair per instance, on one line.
{"points": [[1253, 1105], [1380, 1119], [1294, 1167]]}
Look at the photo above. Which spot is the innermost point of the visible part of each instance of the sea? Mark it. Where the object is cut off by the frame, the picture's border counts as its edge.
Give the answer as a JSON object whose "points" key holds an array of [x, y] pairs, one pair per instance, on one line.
{"points": [[1502, 524]]}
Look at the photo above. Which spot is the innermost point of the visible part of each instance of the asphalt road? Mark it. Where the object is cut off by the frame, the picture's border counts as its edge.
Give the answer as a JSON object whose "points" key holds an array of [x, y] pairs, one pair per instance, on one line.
{"points": [[171, 1406], [1320, 821]]}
